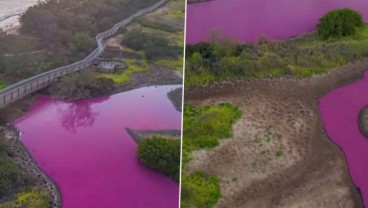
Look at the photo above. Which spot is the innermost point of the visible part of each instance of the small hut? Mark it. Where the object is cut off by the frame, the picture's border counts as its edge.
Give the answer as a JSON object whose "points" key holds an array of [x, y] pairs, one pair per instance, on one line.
{"points": [[110, 59]]}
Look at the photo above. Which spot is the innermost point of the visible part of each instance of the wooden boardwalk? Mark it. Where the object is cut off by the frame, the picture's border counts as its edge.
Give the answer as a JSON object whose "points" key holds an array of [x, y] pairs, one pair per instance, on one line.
{"points": [[27, 86]]}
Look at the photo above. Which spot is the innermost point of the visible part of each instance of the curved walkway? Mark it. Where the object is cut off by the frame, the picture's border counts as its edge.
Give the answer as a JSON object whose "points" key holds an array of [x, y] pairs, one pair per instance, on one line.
{"points": [[27, 86]]}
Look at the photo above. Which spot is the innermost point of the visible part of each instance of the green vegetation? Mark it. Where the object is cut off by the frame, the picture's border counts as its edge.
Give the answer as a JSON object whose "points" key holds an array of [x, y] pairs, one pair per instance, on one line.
{"points": [[2, 85], [16, 186], [203, 128], [159, 26], [299, 57], [81, 85], [279, 153], [59, 32], [162, 154], [11, 176], [33, 198], [339, 23], [125, 75], [153, 45], [199, 190], [61, 22], [172, 63]]}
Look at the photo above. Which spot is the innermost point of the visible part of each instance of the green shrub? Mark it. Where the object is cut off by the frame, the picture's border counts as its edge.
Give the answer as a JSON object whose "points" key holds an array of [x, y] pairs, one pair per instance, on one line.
{"points": [[199, 190], [2, 85], [33, 198], [11, 176], [153, 45], [205, 126], [162, 154], [299, 57], [339, 23], [81, 85]]}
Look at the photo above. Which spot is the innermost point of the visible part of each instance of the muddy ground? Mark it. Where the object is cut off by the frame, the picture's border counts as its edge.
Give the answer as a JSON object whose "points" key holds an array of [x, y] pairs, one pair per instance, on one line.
{"points": [[279, 155]]}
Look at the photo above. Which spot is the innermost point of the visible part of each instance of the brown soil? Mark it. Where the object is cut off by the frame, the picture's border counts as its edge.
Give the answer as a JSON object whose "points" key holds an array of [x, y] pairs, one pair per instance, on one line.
{"points": [[139, 136], [278, 115]]}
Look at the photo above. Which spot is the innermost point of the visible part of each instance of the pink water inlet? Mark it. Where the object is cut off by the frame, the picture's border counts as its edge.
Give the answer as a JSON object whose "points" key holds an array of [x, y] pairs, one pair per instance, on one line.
{"points": [[84, 148], [340, 112], [248, 20]]}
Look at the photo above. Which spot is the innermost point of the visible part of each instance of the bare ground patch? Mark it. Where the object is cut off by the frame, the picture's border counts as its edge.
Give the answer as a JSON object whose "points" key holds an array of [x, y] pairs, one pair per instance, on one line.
{"points": [[279, 155]]}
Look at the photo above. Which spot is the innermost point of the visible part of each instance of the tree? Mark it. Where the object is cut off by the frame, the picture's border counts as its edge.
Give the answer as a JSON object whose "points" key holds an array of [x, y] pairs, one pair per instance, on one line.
{"points": [[339, 23], [81, 43]]}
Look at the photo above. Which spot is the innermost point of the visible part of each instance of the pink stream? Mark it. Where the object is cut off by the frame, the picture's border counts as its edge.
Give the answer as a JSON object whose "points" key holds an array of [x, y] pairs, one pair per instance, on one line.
{"points": [[340, 112], [84, 148], [247, 20]]}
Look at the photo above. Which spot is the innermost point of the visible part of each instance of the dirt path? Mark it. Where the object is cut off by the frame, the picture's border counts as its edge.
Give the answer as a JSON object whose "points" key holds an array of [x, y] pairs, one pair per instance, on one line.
{"points": [[279, 155]]}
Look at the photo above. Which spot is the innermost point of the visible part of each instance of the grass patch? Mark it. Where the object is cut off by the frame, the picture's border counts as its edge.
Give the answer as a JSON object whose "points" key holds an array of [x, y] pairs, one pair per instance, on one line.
{"points": [[199, 190], [158, 26], [177, 10], [2, 85], [203, 128], [300, 57], [171, 63], [125, 75], [279, 153]]}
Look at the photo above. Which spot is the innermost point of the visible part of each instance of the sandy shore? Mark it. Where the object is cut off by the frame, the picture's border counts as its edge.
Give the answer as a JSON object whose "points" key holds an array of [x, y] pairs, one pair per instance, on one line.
{"points": [[13, 30], [278, 115]]}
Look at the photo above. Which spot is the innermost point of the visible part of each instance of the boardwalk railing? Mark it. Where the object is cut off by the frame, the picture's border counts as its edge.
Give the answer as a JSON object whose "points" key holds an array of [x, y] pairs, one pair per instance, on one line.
{"points": [[32, 84]]}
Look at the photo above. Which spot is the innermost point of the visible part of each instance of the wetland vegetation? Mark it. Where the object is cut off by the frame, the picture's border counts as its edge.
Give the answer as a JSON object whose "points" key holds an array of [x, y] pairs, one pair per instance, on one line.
{"points": [[299, 57]]}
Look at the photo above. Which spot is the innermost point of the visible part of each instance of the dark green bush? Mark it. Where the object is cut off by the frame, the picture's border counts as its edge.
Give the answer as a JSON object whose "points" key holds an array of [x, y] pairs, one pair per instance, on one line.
{"points": [[11, 177], [81, 85], [339, 23], [162, 154], [153, 45]]}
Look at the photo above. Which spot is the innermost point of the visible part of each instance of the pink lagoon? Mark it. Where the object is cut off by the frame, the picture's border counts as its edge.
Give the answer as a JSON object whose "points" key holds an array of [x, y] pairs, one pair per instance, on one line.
{"points": [[340, 112], [84, 148], [247, 20]]}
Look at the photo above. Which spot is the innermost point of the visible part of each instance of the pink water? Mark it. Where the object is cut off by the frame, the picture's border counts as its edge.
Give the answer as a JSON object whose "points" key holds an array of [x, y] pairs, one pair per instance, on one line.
{"points": [[84, 148], [247, 20], [340, 111]]}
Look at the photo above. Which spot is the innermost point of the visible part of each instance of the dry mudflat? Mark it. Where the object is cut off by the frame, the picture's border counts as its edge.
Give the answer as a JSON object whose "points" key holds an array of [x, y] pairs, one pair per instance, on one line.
{"points": [[279, 155]]}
